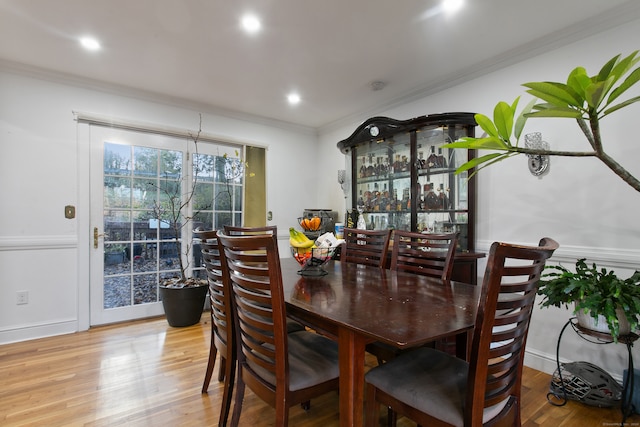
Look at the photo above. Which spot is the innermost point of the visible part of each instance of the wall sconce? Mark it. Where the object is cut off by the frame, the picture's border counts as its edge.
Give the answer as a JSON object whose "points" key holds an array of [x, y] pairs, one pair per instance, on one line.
{"points": [[538, 163], [342, 177]]}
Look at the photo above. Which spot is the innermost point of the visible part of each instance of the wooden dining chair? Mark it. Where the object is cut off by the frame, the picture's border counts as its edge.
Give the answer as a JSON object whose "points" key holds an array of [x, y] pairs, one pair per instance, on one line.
{"points": [[434, 388], [426, 254], [368, 247], [292, 325], [283, 369], [221, 323]]}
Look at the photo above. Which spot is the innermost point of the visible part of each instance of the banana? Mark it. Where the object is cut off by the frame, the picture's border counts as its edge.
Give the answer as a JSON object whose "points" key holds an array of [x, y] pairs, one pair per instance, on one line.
{"points": [[299, 240]]}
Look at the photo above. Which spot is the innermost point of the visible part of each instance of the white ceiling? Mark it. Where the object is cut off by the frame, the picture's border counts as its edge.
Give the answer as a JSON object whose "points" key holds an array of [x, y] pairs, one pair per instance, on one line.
{"points": [[193, 51]]}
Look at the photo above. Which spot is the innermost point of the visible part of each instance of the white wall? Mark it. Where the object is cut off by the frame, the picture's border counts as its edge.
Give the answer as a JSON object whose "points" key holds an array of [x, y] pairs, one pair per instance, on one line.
{"points": [[44, 166], [590, 211]]}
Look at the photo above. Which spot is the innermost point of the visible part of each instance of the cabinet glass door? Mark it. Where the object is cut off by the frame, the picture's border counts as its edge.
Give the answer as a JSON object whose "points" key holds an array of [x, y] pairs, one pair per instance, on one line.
{"points": [[384, 181], [441, 196]]}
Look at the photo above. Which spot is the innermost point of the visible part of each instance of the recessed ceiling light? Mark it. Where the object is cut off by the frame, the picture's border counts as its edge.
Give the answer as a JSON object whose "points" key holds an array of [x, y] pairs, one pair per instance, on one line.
{"points": [[293, 98], [450, 6], [251, 24], [90, 43]]}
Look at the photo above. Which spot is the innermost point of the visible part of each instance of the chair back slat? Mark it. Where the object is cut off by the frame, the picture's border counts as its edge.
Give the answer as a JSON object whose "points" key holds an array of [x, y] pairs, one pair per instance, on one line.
{"points": [[367, 247], [426, 254], [502, 323]]}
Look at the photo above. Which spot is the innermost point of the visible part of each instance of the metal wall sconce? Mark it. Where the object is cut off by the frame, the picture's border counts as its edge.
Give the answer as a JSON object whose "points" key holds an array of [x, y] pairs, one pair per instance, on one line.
{"points": [[538, 164]]}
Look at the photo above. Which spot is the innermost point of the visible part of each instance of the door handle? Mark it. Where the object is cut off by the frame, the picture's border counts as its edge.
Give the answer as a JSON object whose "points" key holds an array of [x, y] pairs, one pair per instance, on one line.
{"points": [[96, 236]]}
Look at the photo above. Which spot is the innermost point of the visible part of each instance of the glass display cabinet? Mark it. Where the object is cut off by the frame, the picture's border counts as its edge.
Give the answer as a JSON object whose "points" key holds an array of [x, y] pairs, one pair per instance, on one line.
{"points": [[402, 178]]}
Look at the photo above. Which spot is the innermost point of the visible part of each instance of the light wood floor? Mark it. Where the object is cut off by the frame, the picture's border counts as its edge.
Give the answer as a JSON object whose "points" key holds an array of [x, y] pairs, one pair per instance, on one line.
{"points": [[146, 373]]}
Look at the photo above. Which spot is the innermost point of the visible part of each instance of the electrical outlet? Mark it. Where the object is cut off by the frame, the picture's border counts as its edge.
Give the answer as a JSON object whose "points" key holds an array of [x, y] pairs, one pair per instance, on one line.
{"points": [[22, 297]]}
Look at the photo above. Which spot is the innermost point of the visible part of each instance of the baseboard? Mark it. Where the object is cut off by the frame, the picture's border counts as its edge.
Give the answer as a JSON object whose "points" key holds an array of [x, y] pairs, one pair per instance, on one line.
{"points": [[547, 363], [35, 331]]}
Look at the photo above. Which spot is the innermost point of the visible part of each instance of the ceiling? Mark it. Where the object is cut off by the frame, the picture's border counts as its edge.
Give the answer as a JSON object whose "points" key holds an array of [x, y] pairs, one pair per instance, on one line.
{"points": [[193, 52]]}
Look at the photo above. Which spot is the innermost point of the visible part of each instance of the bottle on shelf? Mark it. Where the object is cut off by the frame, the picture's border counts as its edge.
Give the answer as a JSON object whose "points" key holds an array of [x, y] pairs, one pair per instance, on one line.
{"points": [[404, 165], [370, 168], [422, 163], [441, 161], [363, 168], [431, 201], [432, 160], [443, 198]]}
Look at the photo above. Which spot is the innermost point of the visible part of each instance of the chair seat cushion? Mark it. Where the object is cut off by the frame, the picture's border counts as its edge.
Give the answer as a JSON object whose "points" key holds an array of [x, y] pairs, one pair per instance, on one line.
{"points": [[313, 359], [293, 326], [430, 381]]}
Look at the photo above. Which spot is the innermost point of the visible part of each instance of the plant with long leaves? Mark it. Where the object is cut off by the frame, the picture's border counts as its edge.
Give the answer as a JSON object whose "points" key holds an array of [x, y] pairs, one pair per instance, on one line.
{"points": [[582, 98]]}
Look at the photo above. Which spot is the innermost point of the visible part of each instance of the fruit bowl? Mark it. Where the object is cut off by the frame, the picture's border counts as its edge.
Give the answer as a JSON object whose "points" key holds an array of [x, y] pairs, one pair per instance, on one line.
{"points": [[310, 224], [312, 259]]}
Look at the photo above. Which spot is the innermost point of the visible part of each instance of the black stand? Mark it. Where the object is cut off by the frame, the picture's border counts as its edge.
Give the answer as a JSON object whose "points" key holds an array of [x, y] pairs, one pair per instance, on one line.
{"points": [[599, 338]]}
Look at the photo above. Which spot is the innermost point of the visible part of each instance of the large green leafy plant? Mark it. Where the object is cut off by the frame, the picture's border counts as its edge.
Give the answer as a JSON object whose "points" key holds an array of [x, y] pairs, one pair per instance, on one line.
{"points": [[597, 291], [585, 99]]}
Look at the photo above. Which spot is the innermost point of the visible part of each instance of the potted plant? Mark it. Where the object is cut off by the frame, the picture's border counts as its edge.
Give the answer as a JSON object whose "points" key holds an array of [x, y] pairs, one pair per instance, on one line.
{"points": [[602, 301], [183, 296]]}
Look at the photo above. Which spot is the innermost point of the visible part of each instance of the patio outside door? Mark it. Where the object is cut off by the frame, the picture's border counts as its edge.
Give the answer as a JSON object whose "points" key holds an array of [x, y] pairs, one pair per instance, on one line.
{"points": [[133, 175]]}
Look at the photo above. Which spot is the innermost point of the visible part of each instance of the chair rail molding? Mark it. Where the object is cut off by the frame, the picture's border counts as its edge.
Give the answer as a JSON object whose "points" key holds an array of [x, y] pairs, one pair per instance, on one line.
{"points": [[21, 243], [606, 257]]}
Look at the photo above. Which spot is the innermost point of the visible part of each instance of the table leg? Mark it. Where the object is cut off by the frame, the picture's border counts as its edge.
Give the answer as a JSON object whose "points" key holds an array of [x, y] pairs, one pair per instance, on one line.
{"points": [[351, 351]]}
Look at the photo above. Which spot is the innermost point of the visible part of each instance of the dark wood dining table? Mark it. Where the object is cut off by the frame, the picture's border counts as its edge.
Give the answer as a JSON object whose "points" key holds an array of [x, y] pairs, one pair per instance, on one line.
{"points": [[357, 304]]}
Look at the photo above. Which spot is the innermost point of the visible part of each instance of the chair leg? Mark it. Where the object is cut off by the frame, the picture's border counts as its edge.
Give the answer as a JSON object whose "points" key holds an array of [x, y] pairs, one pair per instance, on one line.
{"points": [[392, 417], [213, 352], [229, 378], [371, 407], [237, 408]]}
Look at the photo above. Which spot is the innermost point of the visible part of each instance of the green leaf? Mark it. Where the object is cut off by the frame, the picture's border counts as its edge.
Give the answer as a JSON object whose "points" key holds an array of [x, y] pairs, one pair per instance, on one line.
{"points": [[631, 80], [555, 93], [477, 161], [489, 143], [605, 71], [522, 119], [578, 80], [621, 105], [486, 125], [503, 119], [596, 92], [624, 65], [556, 112]]}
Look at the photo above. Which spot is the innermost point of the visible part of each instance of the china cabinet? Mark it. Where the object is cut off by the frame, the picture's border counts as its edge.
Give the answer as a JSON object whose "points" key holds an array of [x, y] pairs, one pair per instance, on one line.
{"points": [[402, 178]]}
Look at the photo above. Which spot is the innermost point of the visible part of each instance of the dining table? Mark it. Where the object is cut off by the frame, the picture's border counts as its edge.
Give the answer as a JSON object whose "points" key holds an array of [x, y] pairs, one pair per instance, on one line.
{"points": [[357, 304]]}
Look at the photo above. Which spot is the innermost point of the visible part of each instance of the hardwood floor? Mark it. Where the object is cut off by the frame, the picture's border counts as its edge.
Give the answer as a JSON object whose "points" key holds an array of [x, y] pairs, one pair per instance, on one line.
{"points": [[146, 373]]}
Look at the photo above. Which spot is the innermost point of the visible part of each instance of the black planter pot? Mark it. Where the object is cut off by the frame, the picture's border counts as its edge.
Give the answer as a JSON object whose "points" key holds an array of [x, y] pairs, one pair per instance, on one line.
{"points": [[183, 306]]}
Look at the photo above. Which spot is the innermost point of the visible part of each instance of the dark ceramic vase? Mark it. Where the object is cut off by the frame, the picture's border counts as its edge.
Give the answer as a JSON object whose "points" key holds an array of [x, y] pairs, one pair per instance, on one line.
{"points": [[183, 306]]}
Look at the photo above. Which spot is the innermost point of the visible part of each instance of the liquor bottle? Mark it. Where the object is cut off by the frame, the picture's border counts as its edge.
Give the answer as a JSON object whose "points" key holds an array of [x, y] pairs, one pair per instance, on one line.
{"points": [[363, 168], [430, 198], [405, 164], [397, 165], [370, 171], [421, 161], [441, 160], [443, 198], [432, 160]]}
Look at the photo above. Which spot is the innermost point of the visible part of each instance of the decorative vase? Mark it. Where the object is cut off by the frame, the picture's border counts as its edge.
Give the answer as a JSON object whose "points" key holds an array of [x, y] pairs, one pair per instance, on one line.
{"points": [[600, 324], [183, 306]]}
